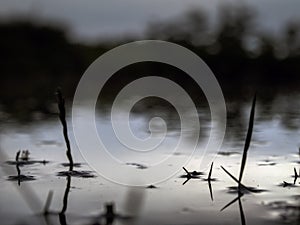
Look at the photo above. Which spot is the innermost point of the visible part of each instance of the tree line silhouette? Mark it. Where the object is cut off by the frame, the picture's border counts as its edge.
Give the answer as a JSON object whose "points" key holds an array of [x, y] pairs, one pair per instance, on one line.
{"points": [[37, 58]]}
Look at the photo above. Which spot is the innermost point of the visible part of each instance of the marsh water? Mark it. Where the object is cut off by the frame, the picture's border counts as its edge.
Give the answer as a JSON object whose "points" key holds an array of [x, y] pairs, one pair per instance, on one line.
{"points": [[272, 157]]}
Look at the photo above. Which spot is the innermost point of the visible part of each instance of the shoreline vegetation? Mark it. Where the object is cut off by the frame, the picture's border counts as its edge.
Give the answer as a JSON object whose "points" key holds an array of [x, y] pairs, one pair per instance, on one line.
{"points": [[37, 58]]}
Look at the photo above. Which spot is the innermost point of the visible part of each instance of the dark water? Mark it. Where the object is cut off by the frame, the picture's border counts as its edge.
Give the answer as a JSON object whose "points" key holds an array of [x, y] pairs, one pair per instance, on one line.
{"points": [[272, 157]]}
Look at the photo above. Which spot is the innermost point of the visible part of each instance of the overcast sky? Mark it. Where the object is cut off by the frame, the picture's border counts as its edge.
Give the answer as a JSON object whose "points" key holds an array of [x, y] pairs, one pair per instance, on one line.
{"points": [[90, 19]]}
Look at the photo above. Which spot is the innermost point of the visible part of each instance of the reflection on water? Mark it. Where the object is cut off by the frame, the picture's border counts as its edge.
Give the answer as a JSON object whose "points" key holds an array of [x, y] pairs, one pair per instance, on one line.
{"points": [[273, 155]]}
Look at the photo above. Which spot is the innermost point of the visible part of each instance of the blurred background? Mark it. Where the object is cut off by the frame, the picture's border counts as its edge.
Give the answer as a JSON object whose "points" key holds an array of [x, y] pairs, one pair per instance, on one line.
{"points": [[250, 46]]}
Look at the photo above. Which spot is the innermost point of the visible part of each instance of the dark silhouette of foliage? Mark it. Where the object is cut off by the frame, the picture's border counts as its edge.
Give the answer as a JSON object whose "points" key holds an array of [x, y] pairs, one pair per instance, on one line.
{"points": [[35, 59]]}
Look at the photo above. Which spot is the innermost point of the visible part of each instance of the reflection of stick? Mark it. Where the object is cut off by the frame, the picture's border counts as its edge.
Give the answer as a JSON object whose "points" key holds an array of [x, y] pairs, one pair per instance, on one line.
{"points": [[48, 202], [17, 163], [248, 140], [62, 215], [65, 200], [210, 190], [18, 168], [233, 201], [243, 220], [26, 192], [62, 116], [296, 175]]}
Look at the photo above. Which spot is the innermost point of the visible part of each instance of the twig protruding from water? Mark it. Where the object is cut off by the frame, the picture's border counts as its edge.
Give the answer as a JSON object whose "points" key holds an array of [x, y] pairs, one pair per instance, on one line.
{"points": [[62, 117]]}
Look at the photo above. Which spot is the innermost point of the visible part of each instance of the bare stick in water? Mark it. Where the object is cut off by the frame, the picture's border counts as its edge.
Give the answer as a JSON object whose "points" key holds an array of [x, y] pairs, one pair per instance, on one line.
{"points": [[62, 117]]}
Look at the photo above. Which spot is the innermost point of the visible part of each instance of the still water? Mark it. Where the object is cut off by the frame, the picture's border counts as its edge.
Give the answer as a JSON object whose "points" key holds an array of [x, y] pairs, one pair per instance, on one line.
{"points": [[272, 157]]}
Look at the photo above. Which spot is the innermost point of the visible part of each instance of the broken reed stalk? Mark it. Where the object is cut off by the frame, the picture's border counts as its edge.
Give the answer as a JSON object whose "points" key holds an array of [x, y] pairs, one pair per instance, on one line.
{"points": [[62, 117], [248, 140]]}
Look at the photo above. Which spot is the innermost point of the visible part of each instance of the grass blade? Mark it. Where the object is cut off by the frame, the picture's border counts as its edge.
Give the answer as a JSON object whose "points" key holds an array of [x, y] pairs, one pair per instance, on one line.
{"points": [[186, 181], [188, 173], [248, 139], [210, 171]]}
